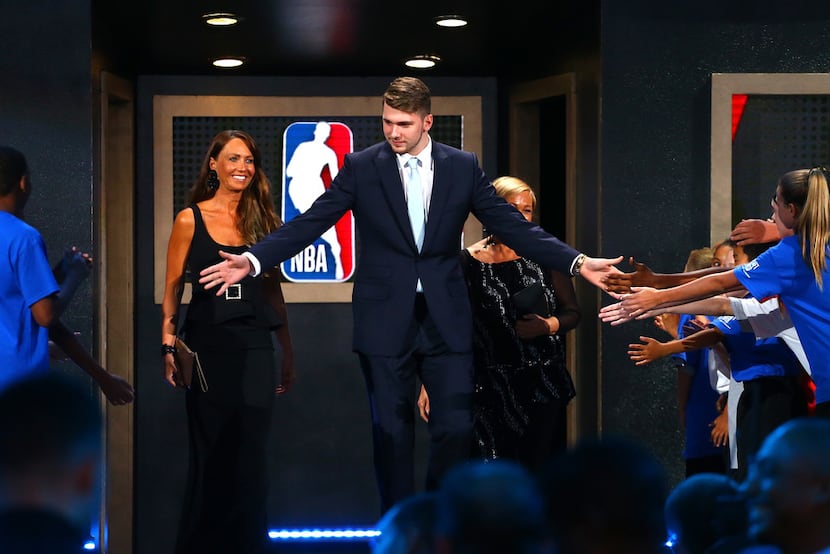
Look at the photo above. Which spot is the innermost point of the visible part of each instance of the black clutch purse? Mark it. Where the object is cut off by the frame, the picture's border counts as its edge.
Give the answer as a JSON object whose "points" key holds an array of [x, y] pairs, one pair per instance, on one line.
{"points": [[531, 300], [188, 365]]}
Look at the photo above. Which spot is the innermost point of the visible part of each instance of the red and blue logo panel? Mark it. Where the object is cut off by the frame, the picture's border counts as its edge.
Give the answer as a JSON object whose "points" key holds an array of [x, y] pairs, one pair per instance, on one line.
{"points": [[313, 153]]}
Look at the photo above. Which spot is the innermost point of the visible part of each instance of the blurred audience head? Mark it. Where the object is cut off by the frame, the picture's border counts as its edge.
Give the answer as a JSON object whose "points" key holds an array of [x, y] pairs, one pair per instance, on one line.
{"points": [[50, 446], [787, 488], [490, 507], [408, 526], [703, 510], [606, 496]]}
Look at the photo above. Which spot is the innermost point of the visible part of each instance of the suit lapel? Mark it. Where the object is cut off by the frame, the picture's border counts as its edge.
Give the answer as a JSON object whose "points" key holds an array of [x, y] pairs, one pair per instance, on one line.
{"points": [[440, 191], [390, 177]]}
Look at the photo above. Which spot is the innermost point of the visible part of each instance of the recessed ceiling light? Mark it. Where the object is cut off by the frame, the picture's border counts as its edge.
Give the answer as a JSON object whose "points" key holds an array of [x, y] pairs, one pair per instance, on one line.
{"points": [[424, 61], [221, 19], [450, 21], [228, 61]]}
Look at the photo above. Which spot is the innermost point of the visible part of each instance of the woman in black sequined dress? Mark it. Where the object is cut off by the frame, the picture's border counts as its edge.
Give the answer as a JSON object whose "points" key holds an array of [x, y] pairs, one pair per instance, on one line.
{"points": [[522, 385]]}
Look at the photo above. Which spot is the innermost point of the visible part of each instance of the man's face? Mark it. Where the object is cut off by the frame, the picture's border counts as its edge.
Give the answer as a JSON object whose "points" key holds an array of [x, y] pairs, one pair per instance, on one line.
{"points": [[406, 132], [775, 494]]}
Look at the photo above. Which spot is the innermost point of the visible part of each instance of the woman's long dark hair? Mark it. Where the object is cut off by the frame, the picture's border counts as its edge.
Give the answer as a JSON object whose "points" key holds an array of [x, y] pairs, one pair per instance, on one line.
{"points": [[255, 213]]}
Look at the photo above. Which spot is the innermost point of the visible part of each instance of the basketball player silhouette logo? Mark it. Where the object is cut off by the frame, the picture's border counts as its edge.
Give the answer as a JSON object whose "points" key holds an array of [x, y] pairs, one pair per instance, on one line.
{"points": [[313, 155]]}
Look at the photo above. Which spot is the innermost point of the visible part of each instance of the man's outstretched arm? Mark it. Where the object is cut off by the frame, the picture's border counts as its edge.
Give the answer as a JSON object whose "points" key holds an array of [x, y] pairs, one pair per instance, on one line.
{"points": [[595, 270], [232, 269]]}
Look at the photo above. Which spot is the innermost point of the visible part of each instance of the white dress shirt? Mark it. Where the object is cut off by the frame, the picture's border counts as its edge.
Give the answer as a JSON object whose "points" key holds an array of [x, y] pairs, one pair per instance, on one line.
{"points": [[425, 169]]}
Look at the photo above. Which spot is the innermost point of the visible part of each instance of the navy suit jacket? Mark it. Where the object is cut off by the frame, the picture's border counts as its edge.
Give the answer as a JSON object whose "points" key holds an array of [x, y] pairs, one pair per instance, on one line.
{"points": [[389, 263]]}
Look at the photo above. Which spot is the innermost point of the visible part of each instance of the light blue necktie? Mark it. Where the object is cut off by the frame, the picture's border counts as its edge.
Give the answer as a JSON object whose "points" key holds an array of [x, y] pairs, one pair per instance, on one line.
{"points": [[415, 201]]}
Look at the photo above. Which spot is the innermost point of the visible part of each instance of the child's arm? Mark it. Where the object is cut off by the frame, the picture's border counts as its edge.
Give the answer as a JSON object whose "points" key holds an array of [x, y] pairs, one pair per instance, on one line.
{"points": [[651, 349]]}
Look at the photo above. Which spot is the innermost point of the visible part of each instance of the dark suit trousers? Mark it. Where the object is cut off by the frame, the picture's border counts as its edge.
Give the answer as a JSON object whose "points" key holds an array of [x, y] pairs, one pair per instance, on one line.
{"points": [[392, 385]]}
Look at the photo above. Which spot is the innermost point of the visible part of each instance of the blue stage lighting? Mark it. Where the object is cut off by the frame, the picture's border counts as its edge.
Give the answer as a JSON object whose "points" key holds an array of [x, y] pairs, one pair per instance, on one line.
{"points": [[286, 535]]}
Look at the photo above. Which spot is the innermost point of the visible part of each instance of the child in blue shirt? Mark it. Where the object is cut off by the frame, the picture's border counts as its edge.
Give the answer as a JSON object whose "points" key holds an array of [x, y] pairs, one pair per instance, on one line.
{"points": [[795, 270], [29, 302]]}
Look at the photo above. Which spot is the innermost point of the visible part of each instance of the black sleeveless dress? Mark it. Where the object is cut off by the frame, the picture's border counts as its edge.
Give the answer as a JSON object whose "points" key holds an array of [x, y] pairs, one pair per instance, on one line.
{"points": [[513, 377], [225, 502], [218, 327]]}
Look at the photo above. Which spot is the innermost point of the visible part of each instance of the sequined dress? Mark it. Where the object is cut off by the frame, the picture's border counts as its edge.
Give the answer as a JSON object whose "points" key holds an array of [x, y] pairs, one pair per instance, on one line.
{"points": [[512, 376]]}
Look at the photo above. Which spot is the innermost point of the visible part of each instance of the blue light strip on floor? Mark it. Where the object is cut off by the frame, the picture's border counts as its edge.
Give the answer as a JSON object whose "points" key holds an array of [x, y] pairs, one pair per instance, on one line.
{"points": [[287, 535], [302, 535]]}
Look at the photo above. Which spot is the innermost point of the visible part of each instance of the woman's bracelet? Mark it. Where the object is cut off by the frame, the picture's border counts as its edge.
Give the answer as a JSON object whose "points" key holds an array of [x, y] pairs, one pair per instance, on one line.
{"points": [[167, 349]]}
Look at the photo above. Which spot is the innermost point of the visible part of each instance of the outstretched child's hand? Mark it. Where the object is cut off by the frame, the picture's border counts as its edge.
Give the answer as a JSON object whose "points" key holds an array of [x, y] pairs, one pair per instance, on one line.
{"points": [[117, 390], [647, 351], [621, 283]]}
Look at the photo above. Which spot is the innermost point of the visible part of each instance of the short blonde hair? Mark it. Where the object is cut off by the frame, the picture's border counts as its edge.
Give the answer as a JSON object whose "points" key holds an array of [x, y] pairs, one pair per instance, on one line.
{"points": [[508, 186], [699, 258]]}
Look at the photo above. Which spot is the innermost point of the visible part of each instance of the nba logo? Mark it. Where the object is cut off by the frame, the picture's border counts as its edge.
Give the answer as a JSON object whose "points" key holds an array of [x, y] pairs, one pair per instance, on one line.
{"points": [[313, 154]]}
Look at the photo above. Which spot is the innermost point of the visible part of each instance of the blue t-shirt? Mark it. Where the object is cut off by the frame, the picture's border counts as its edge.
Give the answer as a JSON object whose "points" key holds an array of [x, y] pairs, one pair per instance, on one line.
{"points": [[750, 357], [25, 278], [701, 408], [781, 270]]}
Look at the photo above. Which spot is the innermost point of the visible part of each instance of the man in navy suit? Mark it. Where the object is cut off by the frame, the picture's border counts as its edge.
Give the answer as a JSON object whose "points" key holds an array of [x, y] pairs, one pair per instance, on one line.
{"points": [[412, 316]]}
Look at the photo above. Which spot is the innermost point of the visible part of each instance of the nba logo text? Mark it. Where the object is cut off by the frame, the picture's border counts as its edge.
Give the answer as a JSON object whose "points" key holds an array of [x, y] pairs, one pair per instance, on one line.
{"points": [[313, 153]]}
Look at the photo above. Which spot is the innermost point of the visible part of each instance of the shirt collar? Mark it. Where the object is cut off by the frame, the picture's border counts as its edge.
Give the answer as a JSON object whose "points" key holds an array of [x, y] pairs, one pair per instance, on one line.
{"points": [[424, 155]]}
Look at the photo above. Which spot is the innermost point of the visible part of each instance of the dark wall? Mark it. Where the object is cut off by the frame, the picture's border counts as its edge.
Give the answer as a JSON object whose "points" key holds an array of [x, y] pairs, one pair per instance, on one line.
{"points": [[321, 436], [46, 113], [657, 62]]}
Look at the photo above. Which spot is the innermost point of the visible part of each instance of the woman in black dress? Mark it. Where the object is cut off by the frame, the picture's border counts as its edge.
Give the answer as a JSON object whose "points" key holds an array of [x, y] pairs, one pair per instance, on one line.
{"points": [[522, 385], [230, 208]]}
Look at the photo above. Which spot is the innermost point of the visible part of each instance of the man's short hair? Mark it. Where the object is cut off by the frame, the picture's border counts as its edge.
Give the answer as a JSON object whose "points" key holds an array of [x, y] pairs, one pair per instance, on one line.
{"points": [[12, 168], [408, 94]]}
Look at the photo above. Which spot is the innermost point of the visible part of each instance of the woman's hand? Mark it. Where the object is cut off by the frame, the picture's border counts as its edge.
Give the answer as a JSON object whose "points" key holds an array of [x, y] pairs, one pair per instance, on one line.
{"points": [[530, 326], [423, 404], [287, 375], [171, 372]]}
